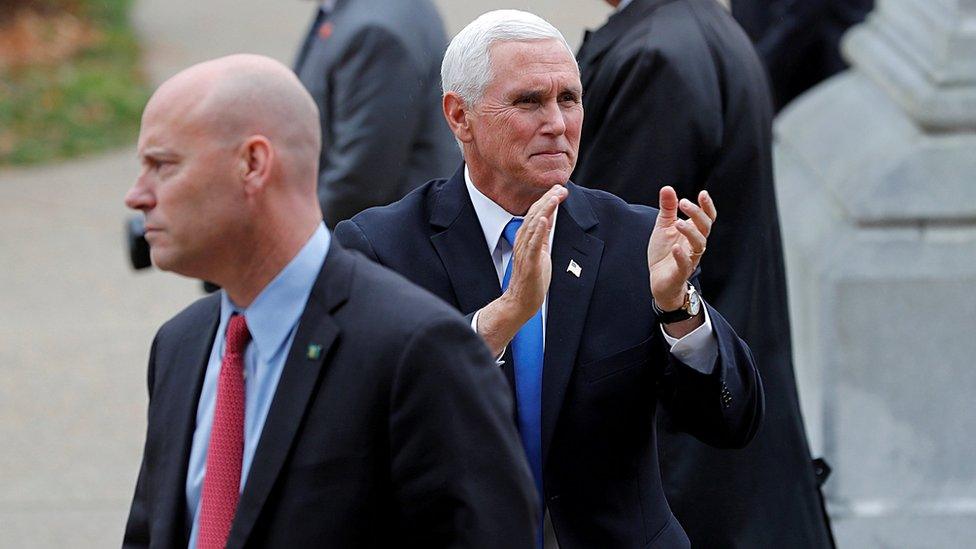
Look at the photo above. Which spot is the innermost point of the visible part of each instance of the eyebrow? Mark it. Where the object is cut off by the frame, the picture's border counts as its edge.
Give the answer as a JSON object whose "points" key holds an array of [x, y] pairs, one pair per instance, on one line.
{"points": [[532, 95], [539, 93], [156, 153]]}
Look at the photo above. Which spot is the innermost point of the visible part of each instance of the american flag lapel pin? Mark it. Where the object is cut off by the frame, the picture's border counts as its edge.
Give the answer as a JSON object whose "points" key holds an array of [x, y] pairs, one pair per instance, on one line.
{"points": [[574, 268]]}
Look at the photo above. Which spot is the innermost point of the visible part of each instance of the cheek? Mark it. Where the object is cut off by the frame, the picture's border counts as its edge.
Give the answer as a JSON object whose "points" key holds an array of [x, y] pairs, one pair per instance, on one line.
{"points": [[574, 123]]}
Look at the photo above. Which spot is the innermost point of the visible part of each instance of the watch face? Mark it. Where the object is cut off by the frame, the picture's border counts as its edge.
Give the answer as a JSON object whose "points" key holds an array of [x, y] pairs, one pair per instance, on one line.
{"points": [[694, 302]]}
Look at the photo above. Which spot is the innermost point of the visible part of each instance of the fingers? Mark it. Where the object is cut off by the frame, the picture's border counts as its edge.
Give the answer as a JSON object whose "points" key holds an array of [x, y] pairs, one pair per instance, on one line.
{"points": [[707, 205], [696, 240], [545, 205], [668, 203], [697, 216], [541, 212], [538, 238]]}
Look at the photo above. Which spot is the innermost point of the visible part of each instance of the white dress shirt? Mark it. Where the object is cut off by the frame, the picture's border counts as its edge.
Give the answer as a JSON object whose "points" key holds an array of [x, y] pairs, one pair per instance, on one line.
{"points": [[697, 349]]}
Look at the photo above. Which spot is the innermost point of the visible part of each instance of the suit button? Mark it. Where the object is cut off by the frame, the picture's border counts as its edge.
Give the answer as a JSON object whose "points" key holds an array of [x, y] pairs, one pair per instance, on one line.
{"points": [[726, 396]]}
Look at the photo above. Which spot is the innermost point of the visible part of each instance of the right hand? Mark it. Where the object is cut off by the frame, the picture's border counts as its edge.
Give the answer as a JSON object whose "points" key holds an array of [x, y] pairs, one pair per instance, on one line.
{"points": [[532, 264], [501, 319]]}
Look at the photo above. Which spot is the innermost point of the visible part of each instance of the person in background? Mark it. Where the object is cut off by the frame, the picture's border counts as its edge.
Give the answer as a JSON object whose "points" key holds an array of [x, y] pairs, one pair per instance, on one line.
{"points": [[317, 398], [590, 302], [799, 40], [372, 68], [675, 95]]}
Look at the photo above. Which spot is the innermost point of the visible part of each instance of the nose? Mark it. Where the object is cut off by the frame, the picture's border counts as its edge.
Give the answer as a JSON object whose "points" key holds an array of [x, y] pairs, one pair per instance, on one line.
{"points": [[555, 121], [140, 196]]}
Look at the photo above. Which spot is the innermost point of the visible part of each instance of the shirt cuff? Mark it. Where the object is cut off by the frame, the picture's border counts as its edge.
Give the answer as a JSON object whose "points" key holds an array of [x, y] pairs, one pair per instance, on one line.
{"points": [[698, 349], [474, 326]]}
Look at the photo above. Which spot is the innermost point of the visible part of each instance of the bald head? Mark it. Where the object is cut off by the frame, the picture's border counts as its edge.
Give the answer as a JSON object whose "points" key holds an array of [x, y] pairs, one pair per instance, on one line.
{"points": [[234, 97], [229, 151]]}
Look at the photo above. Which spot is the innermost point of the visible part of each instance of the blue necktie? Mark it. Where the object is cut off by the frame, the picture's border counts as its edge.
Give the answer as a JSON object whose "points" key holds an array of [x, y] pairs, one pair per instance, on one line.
{"points": [[527, 353]]}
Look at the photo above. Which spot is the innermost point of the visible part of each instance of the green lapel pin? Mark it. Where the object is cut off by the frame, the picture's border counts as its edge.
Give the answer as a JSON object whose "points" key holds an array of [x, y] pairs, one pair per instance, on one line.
{"points": [[314, 352]]}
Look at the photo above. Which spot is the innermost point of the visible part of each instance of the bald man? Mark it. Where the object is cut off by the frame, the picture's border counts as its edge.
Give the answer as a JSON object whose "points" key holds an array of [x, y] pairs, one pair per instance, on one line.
{"points": [[317, 398]]}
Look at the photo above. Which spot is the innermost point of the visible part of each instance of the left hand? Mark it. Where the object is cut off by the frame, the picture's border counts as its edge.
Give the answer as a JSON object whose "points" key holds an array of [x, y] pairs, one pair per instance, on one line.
{"points": [[676, 246]]}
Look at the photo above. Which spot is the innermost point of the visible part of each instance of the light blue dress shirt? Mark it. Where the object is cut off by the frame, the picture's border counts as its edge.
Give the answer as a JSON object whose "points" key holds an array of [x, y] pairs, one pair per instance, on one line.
{"points": [[272, 318]]}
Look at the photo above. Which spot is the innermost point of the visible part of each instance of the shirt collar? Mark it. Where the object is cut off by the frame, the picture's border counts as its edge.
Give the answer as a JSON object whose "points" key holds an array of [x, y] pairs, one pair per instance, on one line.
{"points": [[493, 217], [276, 310]]}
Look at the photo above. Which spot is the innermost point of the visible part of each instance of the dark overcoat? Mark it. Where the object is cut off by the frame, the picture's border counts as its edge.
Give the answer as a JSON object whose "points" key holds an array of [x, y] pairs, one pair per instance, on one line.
{"points": [[675, 95]]}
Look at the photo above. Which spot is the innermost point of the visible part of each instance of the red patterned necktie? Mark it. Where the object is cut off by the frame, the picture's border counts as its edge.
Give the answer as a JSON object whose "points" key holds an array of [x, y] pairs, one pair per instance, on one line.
{"points": [[221, 482]]}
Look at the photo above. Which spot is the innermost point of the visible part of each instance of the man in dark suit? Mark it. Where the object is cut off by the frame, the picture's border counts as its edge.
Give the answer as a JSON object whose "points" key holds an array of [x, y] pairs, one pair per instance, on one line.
{"points": [[676, 96], [799, 40], [372, 67], [318, 398], [589, 357]]}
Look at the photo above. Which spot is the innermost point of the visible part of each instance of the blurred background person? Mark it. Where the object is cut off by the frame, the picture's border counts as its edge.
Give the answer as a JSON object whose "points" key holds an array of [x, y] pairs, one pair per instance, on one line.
{"points": [[675, 95], [373, 67], [799, 40]]}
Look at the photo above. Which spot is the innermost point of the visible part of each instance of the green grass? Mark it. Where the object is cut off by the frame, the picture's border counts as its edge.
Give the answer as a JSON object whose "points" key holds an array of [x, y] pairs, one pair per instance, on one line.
{"points": [[88, 103]]}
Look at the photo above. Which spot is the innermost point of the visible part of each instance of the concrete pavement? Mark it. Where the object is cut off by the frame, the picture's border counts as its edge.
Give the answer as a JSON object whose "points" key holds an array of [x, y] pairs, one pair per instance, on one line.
{"points": [[76, 323]]}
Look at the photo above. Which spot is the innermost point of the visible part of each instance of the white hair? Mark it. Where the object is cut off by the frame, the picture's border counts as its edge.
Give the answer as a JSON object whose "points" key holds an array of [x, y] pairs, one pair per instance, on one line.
{"points": [[466, 69]]}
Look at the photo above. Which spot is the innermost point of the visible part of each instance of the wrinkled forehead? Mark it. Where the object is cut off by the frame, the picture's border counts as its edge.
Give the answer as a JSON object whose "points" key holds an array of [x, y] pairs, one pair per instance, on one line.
{"points": [[535, 63]]}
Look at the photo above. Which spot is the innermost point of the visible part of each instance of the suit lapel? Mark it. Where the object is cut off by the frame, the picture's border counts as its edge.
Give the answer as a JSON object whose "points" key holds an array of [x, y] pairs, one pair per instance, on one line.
{"points": [[179, 410], [321, 18], [569, 300], [299, 380], [310, 38], [459, 241]]}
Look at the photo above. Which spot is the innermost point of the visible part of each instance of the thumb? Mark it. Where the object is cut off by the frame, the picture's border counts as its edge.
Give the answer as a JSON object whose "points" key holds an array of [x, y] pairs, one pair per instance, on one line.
{"points": [[668, 202]]}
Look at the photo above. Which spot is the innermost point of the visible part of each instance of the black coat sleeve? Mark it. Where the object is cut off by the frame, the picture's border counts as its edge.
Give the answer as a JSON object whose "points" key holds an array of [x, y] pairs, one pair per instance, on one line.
{"points": [[459, 473]]}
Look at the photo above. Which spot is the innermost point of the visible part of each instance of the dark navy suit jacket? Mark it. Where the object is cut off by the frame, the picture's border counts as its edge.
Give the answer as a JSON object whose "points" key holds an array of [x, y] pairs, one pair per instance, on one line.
{"points": [[390, 436], [606, 363]]}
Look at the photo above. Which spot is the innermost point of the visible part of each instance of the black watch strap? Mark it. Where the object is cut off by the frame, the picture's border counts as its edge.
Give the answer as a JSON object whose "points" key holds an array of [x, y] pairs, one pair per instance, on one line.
{"points": [[668, 317], [677, 315]]}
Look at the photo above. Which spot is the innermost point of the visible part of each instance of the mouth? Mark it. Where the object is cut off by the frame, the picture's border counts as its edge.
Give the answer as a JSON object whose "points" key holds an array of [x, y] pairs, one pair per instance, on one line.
{"points": [[150, 230], [549, 154]]}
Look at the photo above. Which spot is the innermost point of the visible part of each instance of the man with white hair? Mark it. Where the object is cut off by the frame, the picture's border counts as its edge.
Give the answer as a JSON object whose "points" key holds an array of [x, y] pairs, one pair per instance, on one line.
{"points": [[588, 301], [318, 398]]}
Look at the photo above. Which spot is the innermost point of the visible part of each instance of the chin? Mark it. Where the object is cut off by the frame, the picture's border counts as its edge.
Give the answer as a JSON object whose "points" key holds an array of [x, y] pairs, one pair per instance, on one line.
{"points": [[167, 260], [546, 180], [161, 260]]}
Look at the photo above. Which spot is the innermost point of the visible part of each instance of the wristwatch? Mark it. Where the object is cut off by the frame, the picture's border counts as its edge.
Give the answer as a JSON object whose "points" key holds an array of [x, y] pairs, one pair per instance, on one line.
{"points": [[690, 308]]}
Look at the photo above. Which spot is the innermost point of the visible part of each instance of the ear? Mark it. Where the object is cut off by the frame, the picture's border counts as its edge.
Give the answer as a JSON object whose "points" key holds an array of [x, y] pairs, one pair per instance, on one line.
{"points": [[257, 159], [456, 112]]}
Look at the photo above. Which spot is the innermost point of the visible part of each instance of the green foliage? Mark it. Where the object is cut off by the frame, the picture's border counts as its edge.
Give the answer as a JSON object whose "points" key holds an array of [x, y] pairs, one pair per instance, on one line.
{"points": [[88, 103]]}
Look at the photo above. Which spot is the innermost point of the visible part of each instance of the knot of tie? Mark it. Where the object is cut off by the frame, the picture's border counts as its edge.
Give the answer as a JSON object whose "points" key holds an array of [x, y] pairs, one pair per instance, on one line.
{"points": [[511, 229], [238, 335]]}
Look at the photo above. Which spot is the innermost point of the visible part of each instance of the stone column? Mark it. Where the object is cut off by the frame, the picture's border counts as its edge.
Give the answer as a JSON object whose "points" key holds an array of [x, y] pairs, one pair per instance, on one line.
{"points": [[876, 177]]}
